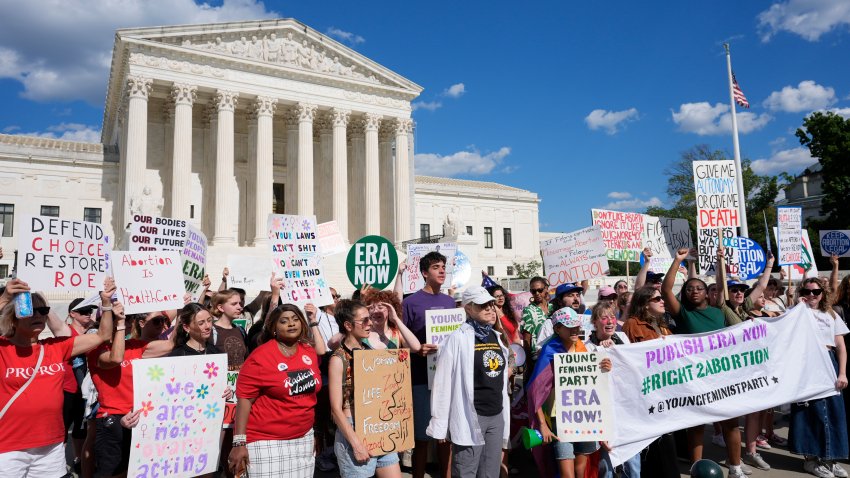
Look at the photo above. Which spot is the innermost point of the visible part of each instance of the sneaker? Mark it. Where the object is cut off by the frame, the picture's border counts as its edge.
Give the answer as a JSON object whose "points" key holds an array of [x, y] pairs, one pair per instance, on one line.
{"points": [[817, 468], [754, 459], [736, 474], [838, 471], [746, 469], [777, 440], [719, 441], [761, 442]]}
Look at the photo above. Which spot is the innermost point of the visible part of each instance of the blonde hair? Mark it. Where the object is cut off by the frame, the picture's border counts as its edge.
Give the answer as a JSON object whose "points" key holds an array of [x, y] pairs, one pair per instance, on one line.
{"points": [[221, 298], [601, 308], [8, 321]]}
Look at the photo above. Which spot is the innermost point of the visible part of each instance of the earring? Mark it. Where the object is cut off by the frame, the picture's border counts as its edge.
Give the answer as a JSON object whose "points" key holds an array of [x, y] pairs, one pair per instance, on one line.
{"points": [[275, 333]]}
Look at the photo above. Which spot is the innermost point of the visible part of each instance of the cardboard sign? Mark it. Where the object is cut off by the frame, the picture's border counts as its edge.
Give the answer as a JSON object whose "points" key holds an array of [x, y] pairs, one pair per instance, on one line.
{"points": [[148, 281], [297, 259], [799, 271], [154, 233], [331, 239], [789, 243], [751, 258], [383, 400], [249, 273], [665, 236], [716, 194], [61, 254], [831, 242], [621, 233], [439, 324], [372, 260], [575, 257], [582, 407], [182, 408], [707, 250], [412, 279], [194, 257]]}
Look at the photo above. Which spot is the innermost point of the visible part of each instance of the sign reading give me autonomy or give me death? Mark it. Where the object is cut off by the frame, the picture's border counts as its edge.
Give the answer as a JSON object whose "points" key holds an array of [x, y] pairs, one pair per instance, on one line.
{"points": [[789, 241], [439, 324], [582, 407], [61, 254], [297, 260], [383, 400], [148, 281], [621, 233], [575, 257], [182, 405]]}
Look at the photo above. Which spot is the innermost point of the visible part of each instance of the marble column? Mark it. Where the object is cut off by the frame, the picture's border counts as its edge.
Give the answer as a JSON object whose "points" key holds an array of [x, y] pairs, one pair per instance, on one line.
{"points": [[339, 174], [403, 191], [264, 109], [386, 176], [183, 96], [138, 92], [324, 202], [356, 180], [372, 185], [226, 195], [304, 200], [291, 187]]}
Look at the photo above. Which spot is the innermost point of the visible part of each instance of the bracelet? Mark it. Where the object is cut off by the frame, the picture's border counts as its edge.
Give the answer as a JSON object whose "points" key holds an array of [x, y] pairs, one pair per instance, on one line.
{"points": [[238, 438], [313, 324], [238, 444], [123, 327], [106, 309]]}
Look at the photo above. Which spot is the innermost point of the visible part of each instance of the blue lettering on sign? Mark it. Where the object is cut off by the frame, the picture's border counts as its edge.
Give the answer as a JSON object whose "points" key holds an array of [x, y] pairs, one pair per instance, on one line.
{"points": [[751, 257], [835, 242]]}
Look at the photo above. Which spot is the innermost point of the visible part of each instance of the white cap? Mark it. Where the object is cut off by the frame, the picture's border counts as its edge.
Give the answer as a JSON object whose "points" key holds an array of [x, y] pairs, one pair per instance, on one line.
{"points": [[478, 295]]}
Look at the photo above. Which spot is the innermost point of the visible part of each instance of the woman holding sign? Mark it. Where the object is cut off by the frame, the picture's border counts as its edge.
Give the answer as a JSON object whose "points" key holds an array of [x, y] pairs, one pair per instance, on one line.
{"points": [[31, 427]]}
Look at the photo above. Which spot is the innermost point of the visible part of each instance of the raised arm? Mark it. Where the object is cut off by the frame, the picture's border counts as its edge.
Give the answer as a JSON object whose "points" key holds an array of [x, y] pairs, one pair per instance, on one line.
{"points": [[115, 355], [87, 342], [721, 276], [319, 342], [833, 276], [224, 274], [670, 299], [398, 288], [409, 338], [765, 276], [640, 278]]}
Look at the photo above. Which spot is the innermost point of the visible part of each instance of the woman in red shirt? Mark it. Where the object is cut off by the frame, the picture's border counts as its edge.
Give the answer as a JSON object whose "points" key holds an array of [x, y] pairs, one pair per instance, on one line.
{"points": [[32, 434], [507, 315], [276, 398]]}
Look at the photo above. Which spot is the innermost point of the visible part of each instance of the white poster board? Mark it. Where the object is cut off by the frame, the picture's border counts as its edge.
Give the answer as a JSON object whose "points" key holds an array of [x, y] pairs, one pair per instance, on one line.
{"points": [[148, 281], [575, 256], [154, 233], [297, 259], [789, 242], [412, 279], [798, 271], [582, 410], [331, 239], [439, 324], [716, 190], [250, 273], [621, 232], [664, 236]]}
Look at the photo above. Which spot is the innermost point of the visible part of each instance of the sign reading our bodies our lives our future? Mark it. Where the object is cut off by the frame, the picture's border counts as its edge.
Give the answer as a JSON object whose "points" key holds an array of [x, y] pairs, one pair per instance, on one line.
{"points": [[62, 254], [439, 324], [148, 281], [582, 409], [297, 259], [833, 242], [383, 400], [154, 233], [789, 242], [412, 279], [574, 257], [182, 406]]}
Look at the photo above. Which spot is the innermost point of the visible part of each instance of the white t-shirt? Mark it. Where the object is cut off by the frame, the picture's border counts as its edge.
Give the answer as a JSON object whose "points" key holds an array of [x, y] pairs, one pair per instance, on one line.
{"points": [[591, 347], [774, 305], [828, 327]]}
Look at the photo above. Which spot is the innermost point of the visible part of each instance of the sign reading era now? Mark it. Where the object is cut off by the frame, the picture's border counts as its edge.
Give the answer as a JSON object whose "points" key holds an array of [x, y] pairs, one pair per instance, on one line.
{"points": [[148, 281], [372, 260]]}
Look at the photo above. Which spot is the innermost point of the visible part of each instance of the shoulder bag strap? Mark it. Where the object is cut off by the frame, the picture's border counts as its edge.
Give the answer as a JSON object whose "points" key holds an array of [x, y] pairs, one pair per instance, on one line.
{"points": [[28, 382]]}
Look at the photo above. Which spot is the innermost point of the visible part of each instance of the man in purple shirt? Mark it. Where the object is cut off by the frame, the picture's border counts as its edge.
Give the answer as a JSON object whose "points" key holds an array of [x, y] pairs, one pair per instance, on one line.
{"points": [[433, 269]]}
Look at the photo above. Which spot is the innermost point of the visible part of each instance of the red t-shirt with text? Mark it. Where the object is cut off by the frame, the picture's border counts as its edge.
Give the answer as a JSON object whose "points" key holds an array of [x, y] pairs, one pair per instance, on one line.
{"points": [[115, 385], [285, 391], [35, 417]]}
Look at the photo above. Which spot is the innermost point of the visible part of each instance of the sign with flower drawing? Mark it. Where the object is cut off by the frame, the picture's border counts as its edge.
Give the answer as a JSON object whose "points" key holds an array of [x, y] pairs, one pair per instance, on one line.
{"points": [[181, 400], [297, 260]]}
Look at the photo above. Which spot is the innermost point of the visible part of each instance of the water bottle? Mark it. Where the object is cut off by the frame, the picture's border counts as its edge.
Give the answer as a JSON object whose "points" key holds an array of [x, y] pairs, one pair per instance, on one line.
{"points": [[23, 305]]}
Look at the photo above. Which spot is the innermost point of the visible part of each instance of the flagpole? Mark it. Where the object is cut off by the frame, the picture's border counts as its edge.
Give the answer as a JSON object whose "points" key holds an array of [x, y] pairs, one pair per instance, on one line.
{"points": [[742, 199]]}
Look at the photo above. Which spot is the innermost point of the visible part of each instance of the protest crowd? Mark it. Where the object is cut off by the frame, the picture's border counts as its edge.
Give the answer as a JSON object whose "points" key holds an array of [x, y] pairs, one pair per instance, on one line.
{"points": [[490, 390]]}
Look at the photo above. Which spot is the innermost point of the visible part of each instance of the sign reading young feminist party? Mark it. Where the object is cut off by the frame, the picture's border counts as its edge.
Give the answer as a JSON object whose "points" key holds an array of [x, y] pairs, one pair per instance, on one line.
{"points": [[61, 254], [181, 399], [411, 278], [154, 233], [789, 243], [297, 259], [383, 400], [249, 273], [372, 260], [831, 242], [664, 236], [687, 380], [621, 233], [582, 407], [148, 280], [194, 257], [574, 257], [807, 267], [439, 324], [751, 258]]}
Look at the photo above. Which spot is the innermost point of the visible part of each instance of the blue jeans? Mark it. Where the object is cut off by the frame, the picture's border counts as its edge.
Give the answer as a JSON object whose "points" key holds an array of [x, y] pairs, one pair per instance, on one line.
{"points": [[631, 467]]}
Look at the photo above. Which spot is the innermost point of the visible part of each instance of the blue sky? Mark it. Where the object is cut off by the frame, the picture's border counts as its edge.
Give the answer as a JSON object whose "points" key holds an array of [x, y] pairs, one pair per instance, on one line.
{"points": [[584, 103]]}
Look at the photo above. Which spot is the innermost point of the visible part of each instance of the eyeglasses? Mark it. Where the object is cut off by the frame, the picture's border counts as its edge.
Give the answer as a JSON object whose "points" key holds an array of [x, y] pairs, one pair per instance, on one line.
{"points": [[657, 298], [694, 289], [336, 296], [362, 322], [808, 292], [42, 310], [538, 291]]}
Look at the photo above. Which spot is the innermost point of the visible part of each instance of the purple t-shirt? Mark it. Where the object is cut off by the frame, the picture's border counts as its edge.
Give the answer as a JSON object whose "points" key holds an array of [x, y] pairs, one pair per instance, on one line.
{"points": [[413, 316]]}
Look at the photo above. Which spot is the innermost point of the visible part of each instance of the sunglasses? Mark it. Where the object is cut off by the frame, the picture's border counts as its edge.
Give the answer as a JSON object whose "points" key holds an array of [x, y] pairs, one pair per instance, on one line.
{"points": [[41, 310], [609, 297], [737, 290], [86, 311], [657, 298], [336, 296], [538, 291], [362, 322], [695, 289], [808, 292]]}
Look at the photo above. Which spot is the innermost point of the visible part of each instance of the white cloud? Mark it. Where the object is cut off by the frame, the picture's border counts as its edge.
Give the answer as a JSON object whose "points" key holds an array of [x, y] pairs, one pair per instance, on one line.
{"points": [[807, 18], [703, 119], [426, 105], [609, 120], [634, 204], [807, 96], [845, 112], [69, 132], [455, 91], [62, 50], [345, 36], [11, 129], [462, 162], [619, 195], [791, 161]]}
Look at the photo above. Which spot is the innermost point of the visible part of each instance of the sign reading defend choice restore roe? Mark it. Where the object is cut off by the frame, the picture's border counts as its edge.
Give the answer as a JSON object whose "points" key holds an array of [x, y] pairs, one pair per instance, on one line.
{"points": [[371, 260], [148, 281], [61, 254], [439, 324]]}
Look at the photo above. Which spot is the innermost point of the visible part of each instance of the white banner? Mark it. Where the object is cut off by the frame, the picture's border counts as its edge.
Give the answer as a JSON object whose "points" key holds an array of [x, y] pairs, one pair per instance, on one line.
{"points": [[789, 243], [411, 278], [582, 408], [575, 257], [250, 273], [148, 281], [831, 242], [331, 239], [439, 324], [182, 408], [685, 380]]}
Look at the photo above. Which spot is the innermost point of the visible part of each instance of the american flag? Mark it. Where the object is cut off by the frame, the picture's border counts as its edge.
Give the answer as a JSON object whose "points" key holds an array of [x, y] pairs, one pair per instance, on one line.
{"points": [[486, 281], [739, 95]]}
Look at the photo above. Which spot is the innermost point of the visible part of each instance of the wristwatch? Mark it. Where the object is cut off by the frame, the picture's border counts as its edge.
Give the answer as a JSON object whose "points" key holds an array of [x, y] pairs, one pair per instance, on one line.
{"points": [[313, 324]]}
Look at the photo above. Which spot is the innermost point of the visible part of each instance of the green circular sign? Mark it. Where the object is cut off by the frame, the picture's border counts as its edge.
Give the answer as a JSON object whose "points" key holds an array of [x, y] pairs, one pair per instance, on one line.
{"points": [[372, 260]]}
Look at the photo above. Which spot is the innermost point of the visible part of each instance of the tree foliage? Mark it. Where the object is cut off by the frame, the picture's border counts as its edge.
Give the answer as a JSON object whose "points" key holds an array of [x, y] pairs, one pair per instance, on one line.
{"points": [[827, 135], [527, 270]]}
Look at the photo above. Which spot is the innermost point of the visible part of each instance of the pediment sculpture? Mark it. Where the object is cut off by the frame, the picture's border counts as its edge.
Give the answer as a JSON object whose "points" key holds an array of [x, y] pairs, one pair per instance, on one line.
{"points": [[146, 204]]}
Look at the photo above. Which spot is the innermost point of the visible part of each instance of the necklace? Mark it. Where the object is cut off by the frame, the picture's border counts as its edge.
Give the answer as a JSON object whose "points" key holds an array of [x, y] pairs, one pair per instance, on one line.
{"points": [[201, 349], [288, 350]]}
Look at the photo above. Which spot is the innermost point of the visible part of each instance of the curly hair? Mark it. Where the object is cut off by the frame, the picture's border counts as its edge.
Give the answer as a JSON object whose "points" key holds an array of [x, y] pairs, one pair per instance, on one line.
{"points": [[508, 308], [825, 304], [271, 322], [373, 296]]}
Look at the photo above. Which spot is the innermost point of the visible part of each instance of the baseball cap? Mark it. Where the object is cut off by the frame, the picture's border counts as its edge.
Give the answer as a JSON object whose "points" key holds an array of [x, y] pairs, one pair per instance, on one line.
{"points": [[477, 295], [736, 284], [606, 291], [654, 276], [567, 288], [566, 317]]}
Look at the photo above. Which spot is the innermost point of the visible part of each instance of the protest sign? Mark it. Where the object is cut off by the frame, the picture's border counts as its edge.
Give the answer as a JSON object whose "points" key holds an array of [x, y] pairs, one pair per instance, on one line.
{"points": [[462, 270], [372, 260], [412, 279], [687, 380], [751, 258], [61, 254], [789, 243], [154, 233], [520, 301], [331, 239], [439, 324], [716, 194], [831, 242], [664, 236], [148, 281], [249, 272], [807, 267], [707, 240], [230, 405], [182, 407], [621, 233], [575, 257], [383, 400], [582, 408], [194, 257], [297, 259]]}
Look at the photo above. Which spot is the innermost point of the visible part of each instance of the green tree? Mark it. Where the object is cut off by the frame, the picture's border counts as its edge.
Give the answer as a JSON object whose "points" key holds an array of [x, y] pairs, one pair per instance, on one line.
{"points": [[827, 135], [527, 270]]}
